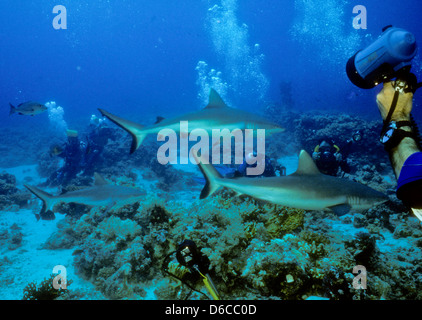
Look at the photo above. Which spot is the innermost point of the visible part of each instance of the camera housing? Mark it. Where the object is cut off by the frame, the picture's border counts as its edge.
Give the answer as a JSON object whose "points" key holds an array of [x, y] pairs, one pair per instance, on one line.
{"points": [[381, 60]]}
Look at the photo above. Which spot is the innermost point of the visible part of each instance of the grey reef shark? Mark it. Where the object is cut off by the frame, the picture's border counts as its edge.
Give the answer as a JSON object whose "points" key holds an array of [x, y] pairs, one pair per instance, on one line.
{"points": [[307, 188], [101, 193], [216, 115]]}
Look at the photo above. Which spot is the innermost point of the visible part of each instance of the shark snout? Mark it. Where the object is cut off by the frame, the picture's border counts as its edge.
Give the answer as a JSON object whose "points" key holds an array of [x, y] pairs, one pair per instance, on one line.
{"points": [[277, 130]]}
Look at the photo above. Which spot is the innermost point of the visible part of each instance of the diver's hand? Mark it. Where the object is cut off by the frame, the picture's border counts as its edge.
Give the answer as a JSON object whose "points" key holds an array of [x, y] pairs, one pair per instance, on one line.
{"points": [[403, 107], [339, 157], [316, 156], [407, 146]]}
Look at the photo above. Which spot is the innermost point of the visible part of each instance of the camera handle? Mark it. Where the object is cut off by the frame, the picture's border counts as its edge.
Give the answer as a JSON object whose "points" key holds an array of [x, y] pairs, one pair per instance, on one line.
{"points": [[405, 82], [391, 134]]}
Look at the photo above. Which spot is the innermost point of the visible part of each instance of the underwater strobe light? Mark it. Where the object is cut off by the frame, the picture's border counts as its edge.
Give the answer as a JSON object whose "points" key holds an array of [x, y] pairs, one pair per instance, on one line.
{"points": [[381, 60]]}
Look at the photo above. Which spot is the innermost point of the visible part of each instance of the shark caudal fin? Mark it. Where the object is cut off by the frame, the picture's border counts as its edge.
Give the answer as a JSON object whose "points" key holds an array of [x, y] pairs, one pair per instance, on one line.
{"points": [[134, 129], [47, 203], [211, 176]]}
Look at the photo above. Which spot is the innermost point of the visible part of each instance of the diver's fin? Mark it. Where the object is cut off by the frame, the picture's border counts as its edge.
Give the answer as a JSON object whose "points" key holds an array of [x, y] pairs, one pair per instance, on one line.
{"points": [[341, 209], [417, 213], [99, 180], [134, 129], [306, 164], [215, 100], [211, 176], [48, 202], [12, 109]]}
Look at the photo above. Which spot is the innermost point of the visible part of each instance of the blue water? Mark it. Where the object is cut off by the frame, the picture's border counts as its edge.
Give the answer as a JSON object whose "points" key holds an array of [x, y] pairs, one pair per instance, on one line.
{"points": [[139, 58], [142, 59]]}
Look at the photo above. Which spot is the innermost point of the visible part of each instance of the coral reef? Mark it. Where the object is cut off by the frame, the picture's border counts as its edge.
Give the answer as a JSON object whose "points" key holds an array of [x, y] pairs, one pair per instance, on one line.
{"points": [[11, 198], [46, 164], [118, 251], [118, 161], [45, 290], [7, 184], [368, 161], [256, 250]]}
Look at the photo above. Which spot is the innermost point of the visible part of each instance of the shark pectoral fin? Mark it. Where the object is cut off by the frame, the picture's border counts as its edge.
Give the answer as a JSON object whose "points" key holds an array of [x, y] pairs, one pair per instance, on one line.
{"points": [[111, 206], [341, 209], [47, 215], [417, 213], [134, 129]]}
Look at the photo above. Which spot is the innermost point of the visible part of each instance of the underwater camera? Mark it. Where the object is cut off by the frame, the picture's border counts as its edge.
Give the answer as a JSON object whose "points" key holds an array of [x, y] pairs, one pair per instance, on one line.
{"points": [[384, 59], [190, 260]]}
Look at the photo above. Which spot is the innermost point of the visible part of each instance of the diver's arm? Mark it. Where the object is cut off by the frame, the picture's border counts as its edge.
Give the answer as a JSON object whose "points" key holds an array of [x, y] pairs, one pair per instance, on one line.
{"points": [[404, 150], [407, 146]]}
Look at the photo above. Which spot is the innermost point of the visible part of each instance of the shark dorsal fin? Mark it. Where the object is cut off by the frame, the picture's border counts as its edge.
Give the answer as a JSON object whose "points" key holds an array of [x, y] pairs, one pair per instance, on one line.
{"points": [[306, 164], [159, 119], [99, 180], [215, 100]]}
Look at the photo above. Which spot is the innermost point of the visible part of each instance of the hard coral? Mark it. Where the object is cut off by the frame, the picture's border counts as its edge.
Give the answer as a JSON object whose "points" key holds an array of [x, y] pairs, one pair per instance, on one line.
{"points": [[11, 198], [282, 220], [45, 291]]}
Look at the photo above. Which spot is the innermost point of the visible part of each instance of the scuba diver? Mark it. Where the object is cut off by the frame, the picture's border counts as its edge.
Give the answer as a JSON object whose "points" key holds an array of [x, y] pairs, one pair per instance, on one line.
{"points": [[395, 48], [190, 266], [96, 140], [80, 157], [72, 153], [329, 159]]}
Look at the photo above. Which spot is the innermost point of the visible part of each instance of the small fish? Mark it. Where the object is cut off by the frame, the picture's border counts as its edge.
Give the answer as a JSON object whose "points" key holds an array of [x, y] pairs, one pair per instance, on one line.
{"points": [[29, 108], [55, 150]]}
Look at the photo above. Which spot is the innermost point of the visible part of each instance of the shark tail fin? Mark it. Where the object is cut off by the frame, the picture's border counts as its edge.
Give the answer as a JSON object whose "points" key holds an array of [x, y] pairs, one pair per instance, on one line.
{"points": [[134, 129], [210, 173], [47, 202], [12, 109], [417, 213]]}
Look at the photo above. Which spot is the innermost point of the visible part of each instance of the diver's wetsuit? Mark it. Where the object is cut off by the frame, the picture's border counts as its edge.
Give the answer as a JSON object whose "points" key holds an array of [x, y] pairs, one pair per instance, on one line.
{"points": [[409, 183], [269, 170]]}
